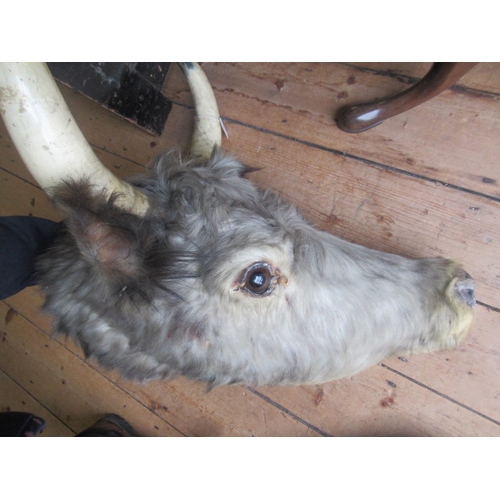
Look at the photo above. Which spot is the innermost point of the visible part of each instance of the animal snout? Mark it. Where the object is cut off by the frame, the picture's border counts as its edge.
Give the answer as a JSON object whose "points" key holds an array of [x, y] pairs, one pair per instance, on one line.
{"points": [[465, 288]]}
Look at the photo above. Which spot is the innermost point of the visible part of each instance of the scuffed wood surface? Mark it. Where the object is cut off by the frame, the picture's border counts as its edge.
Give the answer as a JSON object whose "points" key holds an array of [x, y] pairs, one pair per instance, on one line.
{"points": [[423, 183]]}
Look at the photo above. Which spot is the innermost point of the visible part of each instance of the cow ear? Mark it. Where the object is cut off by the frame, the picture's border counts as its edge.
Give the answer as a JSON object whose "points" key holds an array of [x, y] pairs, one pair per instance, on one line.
{"points": [[103, 233], [110, 248]]}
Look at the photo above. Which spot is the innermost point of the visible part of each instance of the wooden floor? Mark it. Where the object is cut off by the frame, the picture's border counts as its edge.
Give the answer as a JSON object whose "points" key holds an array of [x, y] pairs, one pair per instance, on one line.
{"points": [[424, 183]]}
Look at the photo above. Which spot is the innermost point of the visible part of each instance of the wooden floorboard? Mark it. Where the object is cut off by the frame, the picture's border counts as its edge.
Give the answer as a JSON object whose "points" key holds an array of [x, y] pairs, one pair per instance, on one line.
{"points": [[450, 138], [14, 398], [424, 183]]}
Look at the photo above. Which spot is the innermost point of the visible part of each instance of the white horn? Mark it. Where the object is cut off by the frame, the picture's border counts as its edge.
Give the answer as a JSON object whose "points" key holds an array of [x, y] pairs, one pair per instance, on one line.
{"points": [[207, 132], [48, 138]]}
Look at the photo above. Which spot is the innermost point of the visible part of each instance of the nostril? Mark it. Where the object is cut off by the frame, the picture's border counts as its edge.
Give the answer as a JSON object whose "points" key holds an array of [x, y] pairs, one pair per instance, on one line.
{"points": [[465, 289]]}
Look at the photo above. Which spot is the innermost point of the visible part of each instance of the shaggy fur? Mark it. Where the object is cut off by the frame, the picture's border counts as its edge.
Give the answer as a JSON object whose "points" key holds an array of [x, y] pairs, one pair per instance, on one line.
{"points": [[229, 285]]}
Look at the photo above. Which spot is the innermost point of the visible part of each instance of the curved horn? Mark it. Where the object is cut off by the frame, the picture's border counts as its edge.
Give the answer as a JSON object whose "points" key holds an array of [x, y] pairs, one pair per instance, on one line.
{"points": [[207, 131], [48, 138]]}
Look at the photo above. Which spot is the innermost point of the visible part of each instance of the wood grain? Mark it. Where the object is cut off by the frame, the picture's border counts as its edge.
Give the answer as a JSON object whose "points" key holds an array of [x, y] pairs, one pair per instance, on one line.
{"points": [[452, 138], [422, 184], [14, 398]]}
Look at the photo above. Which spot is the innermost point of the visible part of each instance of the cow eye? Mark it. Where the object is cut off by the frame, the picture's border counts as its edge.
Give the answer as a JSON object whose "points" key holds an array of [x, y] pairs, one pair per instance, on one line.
{"points": [[259, 279]]}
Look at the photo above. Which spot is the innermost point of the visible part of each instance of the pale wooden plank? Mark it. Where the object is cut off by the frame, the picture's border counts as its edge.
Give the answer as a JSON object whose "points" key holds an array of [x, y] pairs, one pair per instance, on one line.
{"points": [[28, 303], [380, 403], [452, 138], [303, 108], [482, 78], [470, 374], [19, 197], [401, 72], [69, 387], [14, 398], [224, 411]]}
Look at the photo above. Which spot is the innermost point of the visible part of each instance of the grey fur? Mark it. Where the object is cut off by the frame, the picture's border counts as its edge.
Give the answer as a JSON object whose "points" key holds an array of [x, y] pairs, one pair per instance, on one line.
{"points": [[165, 295]]}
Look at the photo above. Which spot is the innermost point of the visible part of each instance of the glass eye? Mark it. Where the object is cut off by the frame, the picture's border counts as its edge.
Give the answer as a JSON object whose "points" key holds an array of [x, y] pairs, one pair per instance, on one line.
{"points": [[260, 279]]}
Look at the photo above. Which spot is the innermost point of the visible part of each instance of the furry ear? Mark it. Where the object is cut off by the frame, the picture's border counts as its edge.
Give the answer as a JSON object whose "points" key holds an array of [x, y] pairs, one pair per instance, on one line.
{"points": [[109, 247], [103, 233]]}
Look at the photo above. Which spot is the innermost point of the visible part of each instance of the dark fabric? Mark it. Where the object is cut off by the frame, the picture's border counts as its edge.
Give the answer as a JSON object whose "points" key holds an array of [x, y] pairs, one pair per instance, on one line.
{"points": [[22, 239], [20, 424]]}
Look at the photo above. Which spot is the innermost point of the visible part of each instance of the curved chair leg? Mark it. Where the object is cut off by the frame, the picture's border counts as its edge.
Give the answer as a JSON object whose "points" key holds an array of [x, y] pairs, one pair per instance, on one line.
{"points": [[361, 117]]}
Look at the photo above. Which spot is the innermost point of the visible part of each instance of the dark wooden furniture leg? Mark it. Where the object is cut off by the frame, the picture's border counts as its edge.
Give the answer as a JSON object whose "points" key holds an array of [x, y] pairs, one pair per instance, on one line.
{"points": [[361, 117]]}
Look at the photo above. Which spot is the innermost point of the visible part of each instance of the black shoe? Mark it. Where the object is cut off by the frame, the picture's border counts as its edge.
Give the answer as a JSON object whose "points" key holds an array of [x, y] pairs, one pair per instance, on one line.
{"points": [[20, 424]]}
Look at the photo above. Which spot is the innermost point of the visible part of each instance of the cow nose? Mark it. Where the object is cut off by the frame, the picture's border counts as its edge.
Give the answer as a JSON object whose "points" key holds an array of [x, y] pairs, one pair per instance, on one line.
{"points": [[465, 288]]}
